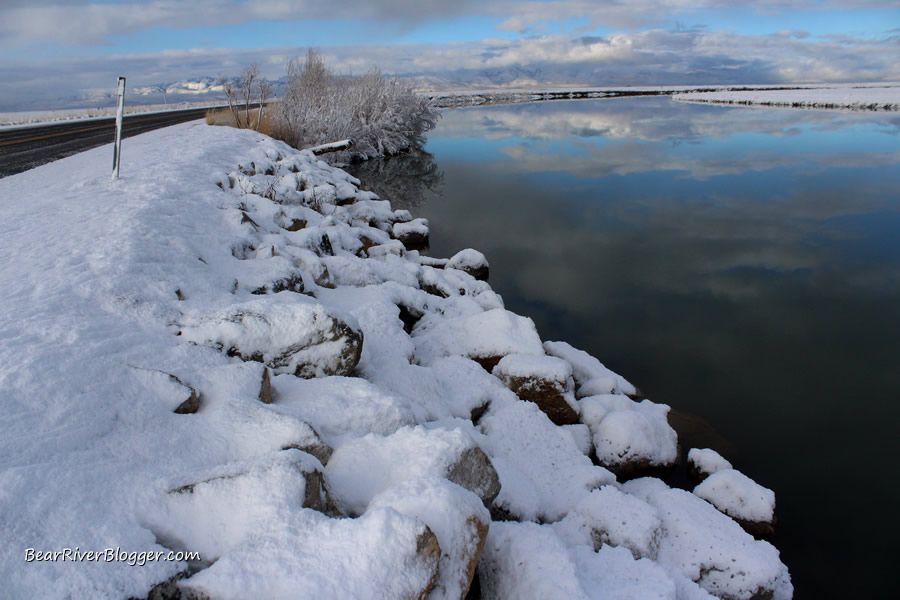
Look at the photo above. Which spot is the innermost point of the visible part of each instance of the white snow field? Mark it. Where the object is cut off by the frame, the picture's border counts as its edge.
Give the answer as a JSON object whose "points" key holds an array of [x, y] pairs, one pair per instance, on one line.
{"points": [[873, 97], [226, 351]]}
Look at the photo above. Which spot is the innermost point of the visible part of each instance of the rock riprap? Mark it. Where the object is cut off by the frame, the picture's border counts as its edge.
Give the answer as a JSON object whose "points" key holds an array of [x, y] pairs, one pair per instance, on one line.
{"points": [[367, 422]]}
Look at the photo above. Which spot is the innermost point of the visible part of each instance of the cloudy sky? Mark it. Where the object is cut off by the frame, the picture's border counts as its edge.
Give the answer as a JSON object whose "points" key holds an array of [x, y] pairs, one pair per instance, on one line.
{"points": [[53, 49]]}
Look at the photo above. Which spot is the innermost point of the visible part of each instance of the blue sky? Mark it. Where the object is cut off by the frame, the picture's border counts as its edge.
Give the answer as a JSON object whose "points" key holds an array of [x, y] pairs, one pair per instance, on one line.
{"points": [[72, 46]]}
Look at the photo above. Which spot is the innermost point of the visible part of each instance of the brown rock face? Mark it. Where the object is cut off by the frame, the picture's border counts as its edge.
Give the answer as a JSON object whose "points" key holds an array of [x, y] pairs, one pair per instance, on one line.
{"points": [[475, 472], [428, 550], [547, 394], [189, 406], [265, 388], [351, 351], [479, 531]]}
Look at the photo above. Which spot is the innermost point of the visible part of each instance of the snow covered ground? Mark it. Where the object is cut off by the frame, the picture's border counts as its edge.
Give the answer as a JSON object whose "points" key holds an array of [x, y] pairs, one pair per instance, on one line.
{"points": [[228, 352], [885, 97]]}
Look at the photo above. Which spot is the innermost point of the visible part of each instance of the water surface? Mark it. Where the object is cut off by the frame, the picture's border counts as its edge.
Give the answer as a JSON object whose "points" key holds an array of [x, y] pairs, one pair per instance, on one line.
{"points": [[740, 264]]}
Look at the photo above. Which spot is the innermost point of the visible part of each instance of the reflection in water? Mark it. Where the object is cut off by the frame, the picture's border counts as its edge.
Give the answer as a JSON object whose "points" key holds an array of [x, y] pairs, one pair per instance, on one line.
{"points": [[739, 264], [407, 179]]}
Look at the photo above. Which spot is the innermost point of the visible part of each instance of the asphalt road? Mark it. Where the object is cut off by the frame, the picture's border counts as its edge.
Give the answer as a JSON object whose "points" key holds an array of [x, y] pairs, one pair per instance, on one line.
{"points": [[28, 147]]}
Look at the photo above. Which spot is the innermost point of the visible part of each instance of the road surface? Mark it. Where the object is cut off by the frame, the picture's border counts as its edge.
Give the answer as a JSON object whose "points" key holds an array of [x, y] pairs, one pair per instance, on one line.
{"points": [[24, 148]]}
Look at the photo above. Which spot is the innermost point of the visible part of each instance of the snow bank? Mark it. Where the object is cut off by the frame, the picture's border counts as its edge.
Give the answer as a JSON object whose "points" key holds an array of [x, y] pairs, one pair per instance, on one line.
{"points": [[856, 98], [229, 352]]}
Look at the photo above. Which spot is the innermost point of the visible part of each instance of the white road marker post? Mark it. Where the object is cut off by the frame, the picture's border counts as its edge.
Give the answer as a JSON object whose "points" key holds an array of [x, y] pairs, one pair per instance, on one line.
{"points": [[117, 150]]}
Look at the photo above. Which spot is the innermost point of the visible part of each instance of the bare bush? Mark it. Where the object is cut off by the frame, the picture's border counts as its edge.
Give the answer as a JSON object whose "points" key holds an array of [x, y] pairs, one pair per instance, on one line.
{"points": [[243, 92], [380, 114]]}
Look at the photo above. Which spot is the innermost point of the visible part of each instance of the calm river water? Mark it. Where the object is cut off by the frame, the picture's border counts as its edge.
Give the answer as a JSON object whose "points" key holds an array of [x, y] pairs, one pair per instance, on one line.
{"points": [[739, 264]]}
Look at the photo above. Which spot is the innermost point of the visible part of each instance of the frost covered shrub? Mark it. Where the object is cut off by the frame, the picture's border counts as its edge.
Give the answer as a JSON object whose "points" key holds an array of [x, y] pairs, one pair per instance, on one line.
{"points": [[380, 114]]}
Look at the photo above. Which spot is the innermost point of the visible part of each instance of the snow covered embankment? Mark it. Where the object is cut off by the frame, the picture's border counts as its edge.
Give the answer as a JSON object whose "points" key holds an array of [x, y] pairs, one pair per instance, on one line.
{"points": [[231, 351], [855, 98]]}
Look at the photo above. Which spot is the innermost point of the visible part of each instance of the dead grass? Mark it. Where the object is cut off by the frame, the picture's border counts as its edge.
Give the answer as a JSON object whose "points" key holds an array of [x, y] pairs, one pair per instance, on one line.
{"points": [[224, 116]]}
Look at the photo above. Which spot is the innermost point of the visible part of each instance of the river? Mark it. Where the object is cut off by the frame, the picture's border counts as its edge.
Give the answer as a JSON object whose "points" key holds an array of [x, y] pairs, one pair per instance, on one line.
{"points": [[739, 264]]}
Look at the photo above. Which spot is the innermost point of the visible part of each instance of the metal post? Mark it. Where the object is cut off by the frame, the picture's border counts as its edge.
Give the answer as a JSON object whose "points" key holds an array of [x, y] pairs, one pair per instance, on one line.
{"points": [[117, 150]]}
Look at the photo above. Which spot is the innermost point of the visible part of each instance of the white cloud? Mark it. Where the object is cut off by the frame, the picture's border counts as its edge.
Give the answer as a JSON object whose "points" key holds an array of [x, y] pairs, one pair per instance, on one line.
{"points": [[623, 57]]}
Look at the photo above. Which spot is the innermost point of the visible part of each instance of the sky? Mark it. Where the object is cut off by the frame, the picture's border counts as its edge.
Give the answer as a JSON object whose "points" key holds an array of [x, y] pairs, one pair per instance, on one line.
{"points": [[54, 52]]}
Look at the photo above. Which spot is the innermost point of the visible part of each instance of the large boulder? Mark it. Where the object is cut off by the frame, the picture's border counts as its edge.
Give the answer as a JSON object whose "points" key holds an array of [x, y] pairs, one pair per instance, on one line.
{"points": [[470, 261], [382, 554], [290, 334], [413, 234], [629, 437], [526, 560], [544, 380], [742, 499], [703, 462], [216, 514], [473, 471], [485, 337], [711, 549], [456, 516], [608, 516], [591, 376], [367, 466], [543, 473]]}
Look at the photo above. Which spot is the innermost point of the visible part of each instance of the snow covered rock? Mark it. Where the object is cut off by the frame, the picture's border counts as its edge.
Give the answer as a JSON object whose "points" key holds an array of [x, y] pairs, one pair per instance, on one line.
{"points": [[182, 398], [543, 473], [413, 234], [485, 337], [529, 562], [544, 380], [591, 376], [703, 462], [471, 261], [742, 499], [367, 466], [301, 337], [711, 549], [382, 554], [608, 516], [458, 519], [629, 437], [309, 441], [219, 513]]}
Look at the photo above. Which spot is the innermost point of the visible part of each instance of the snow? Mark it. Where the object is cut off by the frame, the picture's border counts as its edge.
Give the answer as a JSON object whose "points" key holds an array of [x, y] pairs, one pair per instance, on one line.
{"points": [[484, 334], [369, 465], [456, 516], [417, 227], [627, 432], [738, 496], [122, 298], [608, 516], [371, 557], [709, 548], [467, 260], [543, 472], [885, 97], [548, 368], [589, 372], [706, 461], [271, 327]]}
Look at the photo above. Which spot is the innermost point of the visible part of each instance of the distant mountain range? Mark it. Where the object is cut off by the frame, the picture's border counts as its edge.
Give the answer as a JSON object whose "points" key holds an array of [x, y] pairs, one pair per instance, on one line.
{"points": [[199, 89], [536, 75]]}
